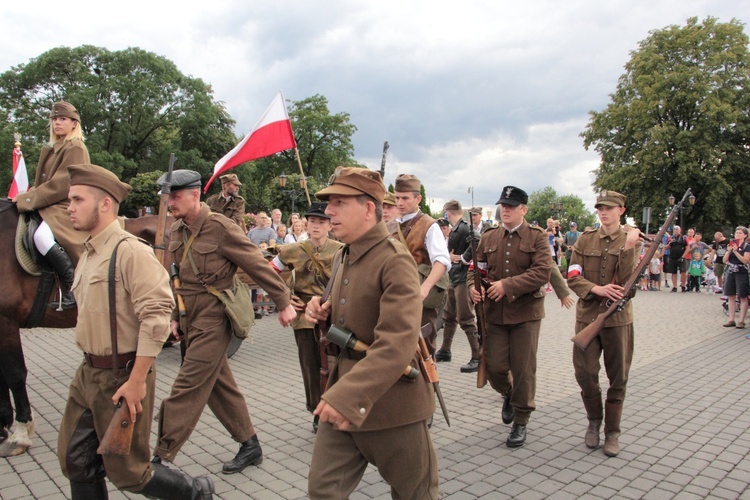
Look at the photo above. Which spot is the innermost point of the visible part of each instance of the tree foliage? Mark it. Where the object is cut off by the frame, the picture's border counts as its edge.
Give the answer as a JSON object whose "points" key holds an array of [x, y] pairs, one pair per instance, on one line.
{"points": [[573, 209], [680, 118], [136, 108]]}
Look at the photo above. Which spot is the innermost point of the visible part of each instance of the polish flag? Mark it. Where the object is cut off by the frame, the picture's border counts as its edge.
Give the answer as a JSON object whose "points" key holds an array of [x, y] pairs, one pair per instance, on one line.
{"points": [[20, 182], [272, 134]]}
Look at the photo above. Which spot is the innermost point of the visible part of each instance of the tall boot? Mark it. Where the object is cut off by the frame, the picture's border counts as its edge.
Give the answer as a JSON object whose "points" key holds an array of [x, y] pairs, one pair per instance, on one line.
{"points": [[60, 262], [612, 415], [250, 454], [169, 484], [595, 413], [89, 491]]}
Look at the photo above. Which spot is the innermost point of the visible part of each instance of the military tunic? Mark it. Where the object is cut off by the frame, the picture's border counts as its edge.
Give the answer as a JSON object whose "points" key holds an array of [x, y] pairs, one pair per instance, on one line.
{"points": [[374, 294], [602, 260], [144, 302], [308, 282], [205, 376], [231, 208], [49, 196], [521, 260]]}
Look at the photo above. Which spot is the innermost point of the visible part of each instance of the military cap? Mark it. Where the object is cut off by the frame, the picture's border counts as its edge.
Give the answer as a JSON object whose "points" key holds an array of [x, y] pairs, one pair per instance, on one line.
{"points": [[98, 177], [443, 222], [62, 108], [225, 179], [610, 199], [353, 181], [317, 209], [408, 183], [475, 210], [452, 205], [389, 199], [182, 179], [513, 196]]}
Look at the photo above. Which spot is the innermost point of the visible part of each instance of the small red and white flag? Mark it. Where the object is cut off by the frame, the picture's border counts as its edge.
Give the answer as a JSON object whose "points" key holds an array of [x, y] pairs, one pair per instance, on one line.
{"points": [[20, 182], [272, 134]]}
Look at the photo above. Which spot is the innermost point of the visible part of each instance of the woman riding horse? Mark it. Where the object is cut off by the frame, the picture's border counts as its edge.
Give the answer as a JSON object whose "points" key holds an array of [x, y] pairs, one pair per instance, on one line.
{"points": [[49, 196]]}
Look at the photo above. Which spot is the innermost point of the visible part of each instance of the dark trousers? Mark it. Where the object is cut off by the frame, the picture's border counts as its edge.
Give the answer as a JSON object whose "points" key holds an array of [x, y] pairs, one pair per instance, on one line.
{"points": [[617, 345], [694, 283], [510, 357], [308, 350], [459, 311]]}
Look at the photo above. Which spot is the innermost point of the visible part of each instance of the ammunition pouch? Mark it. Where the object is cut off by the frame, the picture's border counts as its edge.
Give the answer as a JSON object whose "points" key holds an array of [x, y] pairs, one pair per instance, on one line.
{"points": [[436, 297]]}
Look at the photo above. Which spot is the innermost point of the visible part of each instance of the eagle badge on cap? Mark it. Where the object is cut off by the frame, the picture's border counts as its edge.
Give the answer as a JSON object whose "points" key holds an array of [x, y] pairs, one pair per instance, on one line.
{"points": [[603, 194], [508, 191]]}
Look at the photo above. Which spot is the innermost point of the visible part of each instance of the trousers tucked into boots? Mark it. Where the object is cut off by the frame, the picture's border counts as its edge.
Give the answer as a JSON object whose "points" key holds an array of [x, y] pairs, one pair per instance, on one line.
{"points": [[595, 414], [612, 415]]}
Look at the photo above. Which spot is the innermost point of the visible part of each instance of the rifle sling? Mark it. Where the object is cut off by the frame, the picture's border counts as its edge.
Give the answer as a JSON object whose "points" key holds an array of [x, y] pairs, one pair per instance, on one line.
{"points": [[112, 310]]}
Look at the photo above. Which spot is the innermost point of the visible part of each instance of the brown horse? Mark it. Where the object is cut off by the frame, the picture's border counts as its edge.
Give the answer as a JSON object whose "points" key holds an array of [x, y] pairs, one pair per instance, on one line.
{"points": [[17, 295]]}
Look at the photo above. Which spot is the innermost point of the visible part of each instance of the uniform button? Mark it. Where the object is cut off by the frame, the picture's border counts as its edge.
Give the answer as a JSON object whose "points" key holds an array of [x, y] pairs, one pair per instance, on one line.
{"points": [[341, 320], [346, 281], [507, 270], [602, 277], [507, 253], [28, 200], [508, 244], [362, 411], [507, 262], [605, 258], [343, 301]]}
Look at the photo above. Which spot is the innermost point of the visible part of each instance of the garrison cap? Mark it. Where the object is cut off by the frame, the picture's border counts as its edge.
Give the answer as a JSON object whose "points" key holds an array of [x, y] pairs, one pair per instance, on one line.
{"points": [[389, 199], [98, 177], [610, 199], [408, 183], [443, 222], [353, 181], [318, 209], [182, 179], [225, 179], [475, 210], [452, 205], [62, 108], [513, 196]]}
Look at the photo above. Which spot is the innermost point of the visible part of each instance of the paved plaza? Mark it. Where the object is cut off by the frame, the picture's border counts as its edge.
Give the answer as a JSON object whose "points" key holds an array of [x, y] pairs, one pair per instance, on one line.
{"points": [[686, 420]]}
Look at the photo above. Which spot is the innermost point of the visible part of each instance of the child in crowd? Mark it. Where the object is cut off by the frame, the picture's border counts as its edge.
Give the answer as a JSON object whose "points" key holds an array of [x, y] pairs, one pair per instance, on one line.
{"points": [[710, 279], [696, 270], [654, 272]]}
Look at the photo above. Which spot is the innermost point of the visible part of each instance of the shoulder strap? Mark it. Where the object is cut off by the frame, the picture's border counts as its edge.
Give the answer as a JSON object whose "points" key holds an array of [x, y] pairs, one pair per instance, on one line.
{"points": [[112, 309], [327, 291]]}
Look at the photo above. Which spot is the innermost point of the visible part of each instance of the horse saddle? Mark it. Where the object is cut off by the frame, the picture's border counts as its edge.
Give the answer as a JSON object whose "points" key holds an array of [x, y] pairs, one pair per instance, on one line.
{"points": [[27, 255]]}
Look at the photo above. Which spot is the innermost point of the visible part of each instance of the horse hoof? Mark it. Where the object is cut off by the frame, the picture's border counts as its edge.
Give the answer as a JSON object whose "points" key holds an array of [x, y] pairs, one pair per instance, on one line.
{"points": [[8, 449], [3, 434]]}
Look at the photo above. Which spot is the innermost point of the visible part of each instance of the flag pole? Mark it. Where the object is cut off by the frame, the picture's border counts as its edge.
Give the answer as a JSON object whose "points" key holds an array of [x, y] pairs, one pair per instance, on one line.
{"points": [[302, 173]]}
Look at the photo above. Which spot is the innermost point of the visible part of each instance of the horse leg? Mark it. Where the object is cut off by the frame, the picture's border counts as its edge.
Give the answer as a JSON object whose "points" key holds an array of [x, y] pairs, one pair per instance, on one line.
{"points": [[14, 371], [6, 409]]}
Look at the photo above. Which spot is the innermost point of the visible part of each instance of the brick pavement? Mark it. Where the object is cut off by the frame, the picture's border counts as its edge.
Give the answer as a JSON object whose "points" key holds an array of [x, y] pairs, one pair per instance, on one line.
{"points": [[685, 423]]}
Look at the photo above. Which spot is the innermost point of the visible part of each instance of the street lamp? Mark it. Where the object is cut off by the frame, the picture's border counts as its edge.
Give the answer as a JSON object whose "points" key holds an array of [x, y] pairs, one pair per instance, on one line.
{"points": [[292, 192], [691, 202], [557, 209]]}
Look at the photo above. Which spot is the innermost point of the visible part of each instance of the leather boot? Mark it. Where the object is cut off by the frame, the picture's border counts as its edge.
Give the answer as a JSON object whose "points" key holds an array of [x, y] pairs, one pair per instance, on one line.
{"points": [[169, 484], [60, 262], [89, 491], [594, 412], [612, 415], [508, 413], [249, 454]]}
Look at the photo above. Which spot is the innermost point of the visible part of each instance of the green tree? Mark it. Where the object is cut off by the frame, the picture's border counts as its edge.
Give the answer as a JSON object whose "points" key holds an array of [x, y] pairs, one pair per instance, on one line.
{"points": [[680, 118], [136, 108], [573, 209]]}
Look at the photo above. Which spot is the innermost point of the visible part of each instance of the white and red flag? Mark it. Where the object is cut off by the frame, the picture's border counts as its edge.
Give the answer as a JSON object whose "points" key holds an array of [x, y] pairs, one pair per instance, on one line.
{"points": [[272, 134], [20, 182]]}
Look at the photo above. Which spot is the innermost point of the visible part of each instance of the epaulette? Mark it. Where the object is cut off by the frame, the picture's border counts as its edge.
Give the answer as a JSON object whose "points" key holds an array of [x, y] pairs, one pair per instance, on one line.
{"points": [[593, 230], [536, 228], [491, 228], [397, 245]]}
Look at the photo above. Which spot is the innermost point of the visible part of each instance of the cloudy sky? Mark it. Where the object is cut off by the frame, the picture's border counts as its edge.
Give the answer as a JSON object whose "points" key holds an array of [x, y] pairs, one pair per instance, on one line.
{"points": [[474, 94]]}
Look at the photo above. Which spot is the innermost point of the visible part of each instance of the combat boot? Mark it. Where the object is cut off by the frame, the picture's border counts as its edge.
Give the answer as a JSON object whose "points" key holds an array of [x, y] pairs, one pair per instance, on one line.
{"points": [[88, 491], [250, 454], [168, 484], [60, 262], [594, 412], [612, 415]]}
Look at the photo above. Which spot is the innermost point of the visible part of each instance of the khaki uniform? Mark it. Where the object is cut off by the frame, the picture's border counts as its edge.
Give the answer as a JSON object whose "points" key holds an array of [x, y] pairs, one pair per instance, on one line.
{"points": [[373, 294], [205, 376], [144, 302], [49, 195], [231, 208], [604, 261], [521, 260], [308, 282]]}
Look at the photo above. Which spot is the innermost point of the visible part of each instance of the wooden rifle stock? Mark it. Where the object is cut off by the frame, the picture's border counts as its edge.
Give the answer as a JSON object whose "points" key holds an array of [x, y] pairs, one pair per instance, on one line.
{"points": [[584, 338], [119, 435], [161, 222], [479, 309]]}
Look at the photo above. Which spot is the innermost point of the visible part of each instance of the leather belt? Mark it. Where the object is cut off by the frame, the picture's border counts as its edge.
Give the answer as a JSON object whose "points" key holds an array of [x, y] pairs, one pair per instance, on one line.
{"points": [[125, 360]]}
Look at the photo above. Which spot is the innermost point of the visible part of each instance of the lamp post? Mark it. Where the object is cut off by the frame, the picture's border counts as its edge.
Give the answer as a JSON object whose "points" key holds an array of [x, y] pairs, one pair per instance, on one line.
{"points": [[557, 209], [691, 202], [291, 191], [471, 190]]}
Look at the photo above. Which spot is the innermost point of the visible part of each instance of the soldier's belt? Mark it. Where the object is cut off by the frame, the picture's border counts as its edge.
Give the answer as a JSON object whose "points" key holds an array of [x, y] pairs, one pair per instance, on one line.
{"points": [[125, 360]]}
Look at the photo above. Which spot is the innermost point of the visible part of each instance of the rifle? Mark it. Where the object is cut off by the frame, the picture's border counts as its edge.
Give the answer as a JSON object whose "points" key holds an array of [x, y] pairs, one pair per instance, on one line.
{"points": [[429, 368], [584, 338], [161, 224], [119, 435], [347, 340], [382, 162], [321, 329], [479, 309]]}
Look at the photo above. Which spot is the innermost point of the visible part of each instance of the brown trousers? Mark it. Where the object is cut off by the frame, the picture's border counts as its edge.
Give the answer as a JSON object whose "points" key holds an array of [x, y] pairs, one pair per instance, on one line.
{"points": [[204, 378], [88, 413], [459, 310], [308, 351], [617, 344], [510, 356], [404, 456], [430, 316]]}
